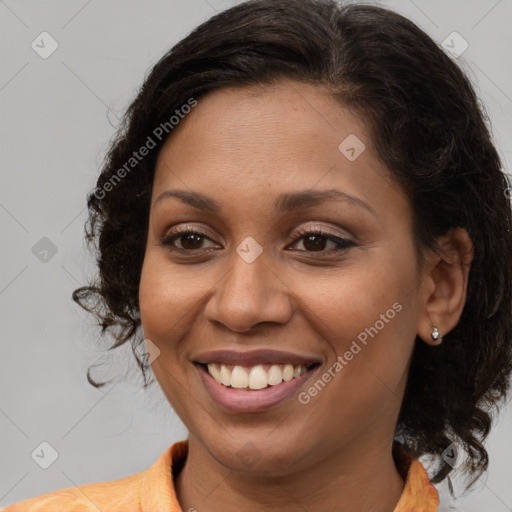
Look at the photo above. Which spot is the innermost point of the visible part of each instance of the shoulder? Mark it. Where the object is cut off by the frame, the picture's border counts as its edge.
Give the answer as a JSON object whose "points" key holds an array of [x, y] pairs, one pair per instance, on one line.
{"points": [[116, 495]]}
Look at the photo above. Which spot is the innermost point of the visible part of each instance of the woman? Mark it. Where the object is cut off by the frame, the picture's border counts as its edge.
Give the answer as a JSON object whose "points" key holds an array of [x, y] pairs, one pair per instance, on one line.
{"points": [[305, 221]]}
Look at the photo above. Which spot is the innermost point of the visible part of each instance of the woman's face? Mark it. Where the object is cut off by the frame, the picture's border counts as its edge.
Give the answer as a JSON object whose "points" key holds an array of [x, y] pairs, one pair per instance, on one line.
{"points": [[257, 173]]}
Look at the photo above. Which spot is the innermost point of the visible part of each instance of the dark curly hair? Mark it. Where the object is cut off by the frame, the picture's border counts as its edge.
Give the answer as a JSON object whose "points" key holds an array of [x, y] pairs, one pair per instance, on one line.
{"points": [[428, 128]]}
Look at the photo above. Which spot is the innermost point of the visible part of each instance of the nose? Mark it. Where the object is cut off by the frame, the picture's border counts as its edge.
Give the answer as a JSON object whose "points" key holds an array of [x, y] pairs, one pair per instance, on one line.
{"points": [[250, 294]]}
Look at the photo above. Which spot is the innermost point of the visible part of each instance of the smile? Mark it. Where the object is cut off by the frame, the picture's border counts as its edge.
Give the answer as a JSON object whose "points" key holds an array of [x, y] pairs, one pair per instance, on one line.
{"points": [[255, 377], [246, 399]]}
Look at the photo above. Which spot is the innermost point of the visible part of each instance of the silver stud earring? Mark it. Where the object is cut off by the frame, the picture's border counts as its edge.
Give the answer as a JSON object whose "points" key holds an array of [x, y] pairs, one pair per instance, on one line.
{"points": [[436, 337]]}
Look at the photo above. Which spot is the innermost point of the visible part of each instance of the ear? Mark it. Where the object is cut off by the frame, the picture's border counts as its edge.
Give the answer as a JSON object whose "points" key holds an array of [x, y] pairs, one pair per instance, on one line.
{"points": [[445, 285]]}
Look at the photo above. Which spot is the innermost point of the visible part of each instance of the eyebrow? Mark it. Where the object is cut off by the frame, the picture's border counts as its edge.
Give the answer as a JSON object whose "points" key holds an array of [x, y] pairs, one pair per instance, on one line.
{"points": [[288, 202], [307, 198]]}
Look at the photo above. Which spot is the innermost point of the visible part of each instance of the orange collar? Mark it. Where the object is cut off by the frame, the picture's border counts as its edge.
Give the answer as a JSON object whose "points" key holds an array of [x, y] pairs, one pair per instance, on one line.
{"points": [[419, 494]]}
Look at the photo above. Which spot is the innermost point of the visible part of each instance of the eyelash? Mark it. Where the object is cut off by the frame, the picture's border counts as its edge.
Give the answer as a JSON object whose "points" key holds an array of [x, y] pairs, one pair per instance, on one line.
{"points": [[343, 243]]}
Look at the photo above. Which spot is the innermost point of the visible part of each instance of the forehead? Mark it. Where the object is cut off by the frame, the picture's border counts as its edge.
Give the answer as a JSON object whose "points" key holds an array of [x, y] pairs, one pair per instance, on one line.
{"points": [[253, 143], [251, 127]]}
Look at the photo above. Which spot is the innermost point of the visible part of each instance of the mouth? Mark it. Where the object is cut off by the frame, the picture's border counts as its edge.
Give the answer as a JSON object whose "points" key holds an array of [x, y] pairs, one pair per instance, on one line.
{"points": [[261, 387], [254, 381], [255, 377]]}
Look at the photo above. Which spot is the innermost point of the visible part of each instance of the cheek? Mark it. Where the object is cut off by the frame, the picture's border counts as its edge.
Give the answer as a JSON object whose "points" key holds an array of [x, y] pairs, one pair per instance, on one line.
{"points": [[365, 299], [166, 297]]}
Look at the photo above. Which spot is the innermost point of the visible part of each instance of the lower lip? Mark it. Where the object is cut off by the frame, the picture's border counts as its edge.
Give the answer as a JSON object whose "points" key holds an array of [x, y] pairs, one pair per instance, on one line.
{"points": [[239, 400]]}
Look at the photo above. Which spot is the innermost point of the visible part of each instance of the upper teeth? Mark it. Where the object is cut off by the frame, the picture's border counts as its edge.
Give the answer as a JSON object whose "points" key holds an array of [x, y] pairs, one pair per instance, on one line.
{"points": [[254, 377]]}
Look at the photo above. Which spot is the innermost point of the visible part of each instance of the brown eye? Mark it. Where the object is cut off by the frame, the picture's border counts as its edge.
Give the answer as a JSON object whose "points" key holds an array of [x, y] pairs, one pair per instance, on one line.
{"points": [[190, 241], [317, 241], [187, 240]]}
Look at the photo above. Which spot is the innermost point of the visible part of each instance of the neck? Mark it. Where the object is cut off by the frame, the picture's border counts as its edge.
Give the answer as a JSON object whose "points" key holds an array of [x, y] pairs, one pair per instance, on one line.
{"points": [[347, 480]]}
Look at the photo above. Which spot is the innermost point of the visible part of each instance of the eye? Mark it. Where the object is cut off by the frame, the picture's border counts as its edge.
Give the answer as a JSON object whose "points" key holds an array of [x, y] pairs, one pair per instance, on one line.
{"points": [[316, 240], [188, 239]]}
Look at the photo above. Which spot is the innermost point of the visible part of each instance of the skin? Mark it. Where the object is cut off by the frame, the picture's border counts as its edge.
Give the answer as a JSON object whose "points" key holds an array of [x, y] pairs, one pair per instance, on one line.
{"points": [[243, 147]]}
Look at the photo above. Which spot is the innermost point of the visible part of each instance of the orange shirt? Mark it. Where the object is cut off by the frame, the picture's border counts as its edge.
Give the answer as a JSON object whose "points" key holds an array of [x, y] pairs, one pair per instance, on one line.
{"points": [[153, 491]]}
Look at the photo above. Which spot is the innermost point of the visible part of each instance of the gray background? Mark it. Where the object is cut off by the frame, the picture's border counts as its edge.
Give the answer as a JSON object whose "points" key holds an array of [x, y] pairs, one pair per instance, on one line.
{"points": [[56, 119]]}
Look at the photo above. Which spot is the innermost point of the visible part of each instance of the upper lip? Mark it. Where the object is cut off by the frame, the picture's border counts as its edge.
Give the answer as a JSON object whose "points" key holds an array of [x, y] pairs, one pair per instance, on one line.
{"points": [[254, 357]]}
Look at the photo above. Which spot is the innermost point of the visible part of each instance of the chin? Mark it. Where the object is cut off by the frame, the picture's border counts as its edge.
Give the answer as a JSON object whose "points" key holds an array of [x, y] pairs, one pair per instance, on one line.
{"points": [[254, 454]]}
